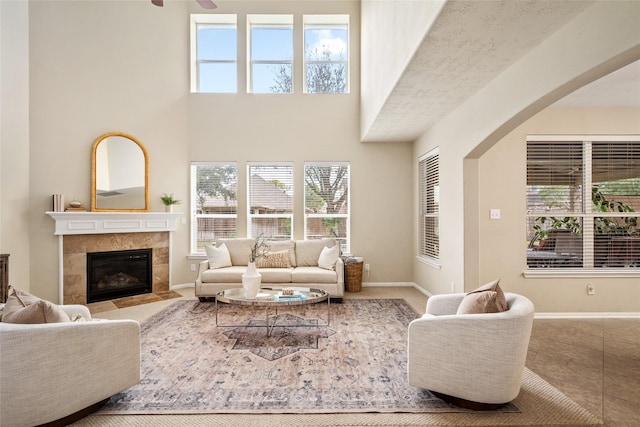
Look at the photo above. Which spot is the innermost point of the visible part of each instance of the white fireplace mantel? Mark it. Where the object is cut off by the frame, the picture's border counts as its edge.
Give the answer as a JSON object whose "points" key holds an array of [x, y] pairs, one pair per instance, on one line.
{"points": [[112, 222]]}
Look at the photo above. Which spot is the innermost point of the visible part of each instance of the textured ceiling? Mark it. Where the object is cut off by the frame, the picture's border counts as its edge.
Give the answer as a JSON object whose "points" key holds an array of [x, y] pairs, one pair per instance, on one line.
{"points": [[470, 43]]}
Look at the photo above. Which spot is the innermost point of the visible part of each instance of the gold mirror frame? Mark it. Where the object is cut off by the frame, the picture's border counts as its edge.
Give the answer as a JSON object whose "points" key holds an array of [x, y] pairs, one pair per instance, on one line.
{"points": [[94, 150]]}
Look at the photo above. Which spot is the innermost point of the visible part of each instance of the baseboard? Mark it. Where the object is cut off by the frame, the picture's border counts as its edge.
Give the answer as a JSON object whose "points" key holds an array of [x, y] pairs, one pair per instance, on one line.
{"points": [[396, 285], [592, 315], [182, 286]]}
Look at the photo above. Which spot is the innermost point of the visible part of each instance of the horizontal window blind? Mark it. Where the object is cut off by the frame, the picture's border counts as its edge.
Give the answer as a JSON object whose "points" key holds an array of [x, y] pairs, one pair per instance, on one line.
{"points": [[214, 203], [270, 200], [583, 199], [326, 201], [430, 205]]}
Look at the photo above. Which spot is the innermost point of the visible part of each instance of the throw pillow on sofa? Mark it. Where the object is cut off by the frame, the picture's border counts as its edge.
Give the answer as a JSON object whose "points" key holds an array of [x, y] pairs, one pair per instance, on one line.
{"points": [[218, 257], [329, 257], [279, 259], [22, 307], [308, 251], [488, 298]]}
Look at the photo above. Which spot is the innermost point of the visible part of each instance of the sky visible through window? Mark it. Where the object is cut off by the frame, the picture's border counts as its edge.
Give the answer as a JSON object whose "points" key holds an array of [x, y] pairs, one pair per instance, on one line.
{"points": [[218, 44]]}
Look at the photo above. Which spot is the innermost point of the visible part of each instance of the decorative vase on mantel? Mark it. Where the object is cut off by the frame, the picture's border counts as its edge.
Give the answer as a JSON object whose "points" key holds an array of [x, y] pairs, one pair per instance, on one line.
{"points": [[251, 281]]}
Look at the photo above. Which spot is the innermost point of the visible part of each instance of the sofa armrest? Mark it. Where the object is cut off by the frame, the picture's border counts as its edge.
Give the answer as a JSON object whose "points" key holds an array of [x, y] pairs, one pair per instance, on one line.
{"points": [[53, 370], [340, 271]]}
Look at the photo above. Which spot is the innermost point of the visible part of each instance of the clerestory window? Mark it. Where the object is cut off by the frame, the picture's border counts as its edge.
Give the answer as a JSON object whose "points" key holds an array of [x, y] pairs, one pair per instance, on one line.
{"points": [[326, 53], [583, 203], [214, 53], [270, 50]]}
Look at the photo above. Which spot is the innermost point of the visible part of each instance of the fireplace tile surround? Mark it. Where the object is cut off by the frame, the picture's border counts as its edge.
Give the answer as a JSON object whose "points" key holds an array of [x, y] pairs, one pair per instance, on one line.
{"points": [[83, 232], [77, 246]]}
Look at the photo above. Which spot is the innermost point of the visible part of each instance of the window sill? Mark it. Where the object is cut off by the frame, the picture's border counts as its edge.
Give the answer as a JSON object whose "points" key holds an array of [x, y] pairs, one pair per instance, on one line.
{"points": [[570, 273], [430, 262]]}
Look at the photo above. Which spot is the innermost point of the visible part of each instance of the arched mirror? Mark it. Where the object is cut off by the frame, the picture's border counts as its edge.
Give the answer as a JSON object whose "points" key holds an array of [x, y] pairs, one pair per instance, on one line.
{"points": [[119, 174]]}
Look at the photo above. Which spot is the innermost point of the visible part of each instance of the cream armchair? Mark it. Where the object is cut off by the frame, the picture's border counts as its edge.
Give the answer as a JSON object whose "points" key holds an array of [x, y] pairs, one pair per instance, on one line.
{"points": [[472, 358], [53, 370]]}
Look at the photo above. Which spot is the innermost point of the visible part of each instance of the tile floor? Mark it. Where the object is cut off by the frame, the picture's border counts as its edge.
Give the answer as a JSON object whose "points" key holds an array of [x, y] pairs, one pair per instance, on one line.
{"points": [[595, 362]]}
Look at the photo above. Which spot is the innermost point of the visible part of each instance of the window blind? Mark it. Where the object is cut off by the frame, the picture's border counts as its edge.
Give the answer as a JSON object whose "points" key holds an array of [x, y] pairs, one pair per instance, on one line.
{"points": [[270, 200], [583, 198], [430, 205], [326, 201], [213, 203]]}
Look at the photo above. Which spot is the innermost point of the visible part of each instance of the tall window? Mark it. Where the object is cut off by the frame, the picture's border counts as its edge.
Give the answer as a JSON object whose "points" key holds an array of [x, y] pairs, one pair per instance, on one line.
{"points": [[271, 53], [430, 206], [326, 53], [326, 202], [583, 202], [214, 203], [214, 53], [270, 200]]}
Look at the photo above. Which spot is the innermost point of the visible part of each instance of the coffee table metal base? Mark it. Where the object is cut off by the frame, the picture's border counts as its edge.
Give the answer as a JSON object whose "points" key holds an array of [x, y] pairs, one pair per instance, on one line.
{"points": [[270, 300]]}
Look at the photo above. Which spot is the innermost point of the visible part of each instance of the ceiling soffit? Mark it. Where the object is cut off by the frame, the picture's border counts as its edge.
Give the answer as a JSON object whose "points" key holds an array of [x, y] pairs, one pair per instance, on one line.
{"points": [[470, 44]]}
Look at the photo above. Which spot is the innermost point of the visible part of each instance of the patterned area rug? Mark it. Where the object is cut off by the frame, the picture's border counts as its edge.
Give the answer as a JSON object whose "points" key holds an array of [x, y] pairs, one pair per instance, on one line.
{"points": [[356, 364]]}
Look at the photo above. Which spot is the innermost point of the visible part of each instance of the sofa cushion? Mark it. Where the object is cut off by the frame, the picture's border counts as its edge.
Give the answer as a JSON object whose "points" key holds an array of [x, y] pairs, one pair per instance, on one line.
{"points": [[308, 251], [313, 275], [488, 298], [276, 275], [328, 257], [278, 259], [239, 249], [224, 275], [22, 307], [282, 245], [219, 257]]}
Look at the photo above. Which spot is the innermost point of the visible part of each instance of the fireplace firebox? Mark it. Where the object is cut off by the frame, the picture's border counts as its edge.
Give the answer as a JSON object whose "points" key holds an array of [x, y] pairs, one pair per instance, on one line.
{"points": [[117, 274]]}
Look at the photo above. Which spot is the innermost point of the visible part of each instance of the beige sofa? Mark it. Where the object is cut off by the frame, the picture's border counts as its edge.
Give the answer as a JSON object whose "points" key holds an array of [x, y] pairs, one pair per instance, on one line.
{"points": [[301, 269], [51, 371]]}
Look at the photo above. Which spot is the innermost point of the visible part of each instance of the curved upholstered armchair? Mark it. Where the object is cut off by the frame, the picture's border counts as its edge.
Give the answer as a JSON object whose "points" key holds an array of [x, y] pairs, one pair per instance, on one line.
{"points": [[62, 371], [478, 358]]}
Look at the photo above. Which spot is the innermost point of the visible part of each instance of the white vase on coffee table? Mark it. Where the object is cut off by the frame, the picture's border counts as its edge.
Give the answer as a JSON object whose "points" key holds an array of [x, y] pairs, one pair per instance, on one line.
{"points": [[251, 281]]}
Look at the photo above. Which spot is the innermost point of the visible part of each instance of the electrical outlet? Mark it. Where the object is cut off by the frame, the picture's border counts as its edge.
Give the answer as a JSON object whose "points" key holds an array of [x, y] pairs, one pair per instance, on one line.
{"points": [[453, 287], [591, 289], [366, 267], [193, 267]]}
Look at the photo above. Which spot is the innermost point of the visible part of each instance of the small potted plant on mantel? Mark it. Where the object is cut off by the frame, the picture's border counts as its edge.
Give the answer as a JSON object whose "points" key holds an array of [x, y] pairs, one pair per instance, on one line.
{"points": [[169, 201]]}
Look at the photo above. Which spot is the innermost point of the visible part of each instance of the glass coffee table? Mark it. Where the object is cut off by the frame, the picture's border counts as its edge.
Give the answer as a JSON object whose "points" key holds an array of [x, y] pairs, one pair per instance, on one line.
{"points": [[272, 299]]}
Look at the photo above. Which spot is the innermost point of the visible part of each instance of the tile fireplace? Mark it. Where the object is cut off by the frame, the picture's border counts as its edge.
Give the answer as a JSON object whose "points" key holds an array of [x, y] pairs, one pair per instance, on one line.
{"points": [[83, 233]]}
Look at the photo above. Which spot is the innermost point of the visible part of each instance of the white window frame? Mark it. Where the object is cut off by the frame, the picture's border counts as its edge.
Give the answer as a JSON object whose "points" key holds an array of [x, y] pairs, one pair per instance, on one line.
{"points": [[429, 186], [346, 246], [221, 20], [194, 206], [586, 214], [290, 193], [268, 21], [327, 21]]}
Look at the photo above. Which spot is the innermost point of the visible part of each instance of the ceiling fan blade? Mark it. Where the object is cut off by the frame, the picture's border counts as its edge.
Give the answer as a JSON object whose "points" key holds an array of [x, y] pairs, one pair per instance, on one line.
{"points": [[158, 2], [207, 4]]}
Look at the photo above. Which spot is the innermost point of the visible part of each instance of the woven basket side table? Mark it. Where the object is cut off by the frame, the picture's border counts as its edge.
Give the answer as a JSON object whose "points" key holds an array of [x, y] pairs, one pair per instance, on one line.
{"points": [[353, 276]]}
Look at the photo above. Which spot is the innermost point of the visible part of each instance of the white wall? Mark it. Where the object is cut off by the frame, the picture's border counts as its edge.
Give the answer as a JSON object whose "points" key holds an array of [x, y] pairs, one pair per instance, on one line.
{"points": [[603, 38], [14, 139], [105, 66]]}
